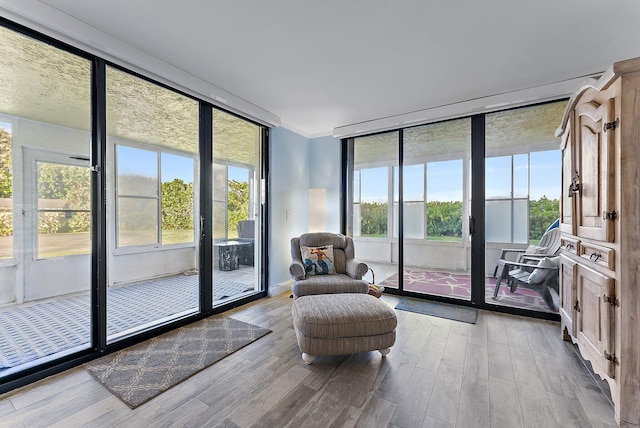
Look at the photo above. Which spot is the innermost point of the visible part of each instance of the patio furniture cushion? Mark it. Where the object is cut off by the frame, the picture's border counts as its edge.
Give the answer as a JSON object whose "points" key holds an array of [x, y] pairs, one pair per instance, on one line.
{"points": [[539, 275]]}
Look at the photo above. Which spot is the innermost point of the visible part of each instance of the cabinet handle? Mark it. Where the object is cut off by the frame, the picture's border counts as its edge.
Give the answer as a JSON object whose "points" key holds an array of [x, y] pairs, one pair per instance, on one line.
{"points": [[569, 246], [577, 306], [595, 257]]}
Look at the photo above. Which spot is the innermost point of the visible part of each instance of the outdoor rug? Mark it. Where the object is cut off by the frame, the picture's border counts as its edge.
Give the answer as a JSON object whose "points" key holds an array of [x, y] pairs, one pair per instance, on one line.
{"points": [[459, 286], [141, 372], [438, 309]]}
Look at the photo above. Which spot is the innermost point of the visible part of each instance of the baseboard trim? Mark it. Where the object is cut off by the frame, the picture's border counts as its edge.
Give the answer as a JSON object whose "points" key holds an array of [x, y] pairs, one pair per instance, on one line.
{"points": [[283, 287]]}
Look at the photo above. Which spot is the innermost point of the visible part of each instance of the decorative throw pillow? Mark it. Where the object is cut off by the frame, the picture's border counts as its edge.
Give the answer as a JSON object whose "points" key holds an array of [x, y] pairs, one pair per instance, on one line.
{"points": [[318, 260], [539, 275]]}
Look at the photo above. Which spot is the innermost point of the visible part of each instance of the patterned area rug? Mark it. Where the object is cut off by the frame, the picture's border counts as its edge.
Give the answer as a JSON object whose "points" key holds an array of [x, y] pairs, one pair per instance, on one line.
{"points": [[141, 372], [35, 331], [459, 286]]}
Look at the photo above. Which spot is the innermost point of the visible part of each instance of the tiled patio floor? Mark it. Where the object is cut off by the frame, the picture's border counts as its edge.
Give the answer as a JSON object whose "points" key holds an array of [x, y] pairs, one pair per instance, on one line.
{"points": [[39, 329]]}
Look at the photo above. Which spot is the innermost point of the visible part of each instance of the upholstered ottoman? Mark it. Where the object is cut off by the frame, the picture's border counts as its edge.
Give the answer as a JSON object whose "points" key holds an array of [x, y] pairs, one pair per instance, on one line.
{"points": [[340, 324]]}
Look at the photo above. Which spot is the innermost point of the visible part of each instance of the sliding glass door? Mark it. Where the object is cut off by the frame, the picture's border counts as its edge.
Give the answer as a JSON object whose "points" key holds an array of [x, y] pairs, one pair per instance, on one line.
{"points": [[45, 202], [425, 229], [523, 166], [152, 187], [103, 210], [375, 207], [435, 230], [436, 190], [237, 202]]}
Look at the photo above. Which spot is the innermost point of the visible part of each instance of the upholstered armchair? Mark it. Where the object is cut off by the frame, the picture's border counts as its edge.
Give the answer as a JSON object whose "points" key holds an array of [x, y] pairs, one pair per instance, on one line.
{"points": [[324, 263]]}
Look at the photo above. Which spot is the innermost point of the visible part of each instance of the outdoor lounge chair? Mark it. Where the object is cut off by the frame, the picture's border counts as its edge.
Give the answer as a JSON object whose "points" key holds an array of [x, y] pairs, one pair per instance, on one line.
{"points": [[549, 246], [536, 274]]}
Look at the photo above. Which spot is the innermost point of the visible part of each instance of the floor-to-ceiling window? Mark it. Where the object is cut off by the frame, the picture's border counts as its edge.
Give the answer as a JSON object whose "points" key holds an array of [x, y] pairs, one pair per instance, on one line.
{"points": [[236, 206], [45, 201], [436, 162], [101, 206], [152, 145], [374, 160], [522, 193], [433, 218]]}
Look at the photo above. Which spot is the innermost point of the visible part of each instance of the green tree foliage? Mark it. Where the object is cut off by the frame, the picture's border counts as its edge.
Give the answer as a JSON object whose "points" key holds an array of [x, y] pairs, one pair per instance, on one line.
{"points": [[6, 223], [373, 219], [6, 217], [70, 184], [177, 205], [444, 219], [542, 213], [237, 205], [5, 164], [52, 222]]}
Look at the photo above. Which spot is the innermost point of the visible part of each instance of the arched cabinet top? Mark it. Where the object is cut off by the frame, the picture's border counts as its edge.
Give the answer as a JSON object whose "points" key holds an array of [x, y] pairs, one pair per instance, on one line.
{"points": [[618, 68]]}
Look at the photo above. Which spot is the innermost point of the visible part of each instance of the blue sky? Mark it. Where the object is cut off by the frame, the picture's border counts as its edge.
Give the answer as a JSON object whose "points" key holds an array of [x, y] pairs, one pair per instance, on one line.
{"points": [[238, 174], [143, 162], [444, 179], [174, 166]]}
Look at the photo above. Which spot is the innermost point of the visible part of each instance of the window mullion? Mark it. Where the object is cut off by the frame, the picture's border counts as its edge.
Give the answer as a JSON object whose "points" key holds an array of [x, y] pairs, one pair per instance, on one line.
{"points": [[159, 196], [425, 201]]}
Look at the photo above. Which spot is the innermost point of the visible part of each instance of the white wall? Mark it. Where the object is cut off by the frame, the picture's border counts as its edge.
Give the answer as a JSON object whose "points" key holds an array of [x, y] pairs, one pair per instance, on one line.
{"points": [[325, 172], [288, 185], [298, 164], [28, 134]]}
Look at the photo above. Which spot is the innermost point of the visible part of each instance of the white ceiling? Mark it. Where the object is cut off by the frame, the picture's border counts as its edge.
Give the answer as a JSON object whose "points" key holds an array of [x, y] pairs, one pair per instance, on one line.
{"points": [[323, 64]]}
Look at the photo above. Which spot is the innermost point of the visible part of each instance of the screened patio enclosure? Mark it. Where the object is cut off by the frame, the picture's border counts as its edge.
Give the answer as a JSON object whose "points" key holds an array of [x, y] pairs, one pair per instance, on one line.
{"points": [[150, 175]]}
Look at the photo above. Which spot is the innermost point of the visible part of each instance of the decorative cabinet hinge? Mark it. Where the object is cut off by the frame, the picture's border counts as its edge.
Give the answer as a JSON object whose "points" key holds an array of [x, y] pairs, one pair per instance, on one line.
{"points": [[609, 215], [574, 187], [611, 357], [611, 125], [612, 300]]}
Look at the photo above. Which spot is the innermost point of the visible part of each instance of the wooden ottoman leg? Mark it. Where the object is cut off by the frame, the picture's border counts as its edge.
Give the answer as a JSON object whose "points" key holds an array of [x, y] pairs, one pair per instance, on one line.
{"points": [[384, 351], [308, 358]]}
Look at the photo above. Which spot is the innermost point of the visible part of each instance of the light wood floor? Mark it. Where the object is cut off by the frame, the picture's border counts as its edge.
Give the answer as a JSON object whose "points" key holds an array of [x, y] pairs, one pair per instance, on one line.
{"points": [[504, 371]]}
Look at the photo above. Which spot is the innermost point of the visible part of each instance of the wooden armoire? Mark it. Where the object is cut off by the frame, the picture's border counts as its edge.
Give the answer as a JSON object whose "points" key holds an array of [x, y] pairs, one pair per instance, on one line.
{"points": [[600, 224]]}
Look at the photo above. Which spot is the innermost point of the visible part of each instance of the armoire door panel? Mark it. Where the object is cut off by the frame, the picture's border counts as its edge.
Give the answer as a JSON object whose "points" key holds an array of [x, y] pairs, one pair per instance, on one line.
{"points": [[594, 317], [592, 164], [567, 294]]}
